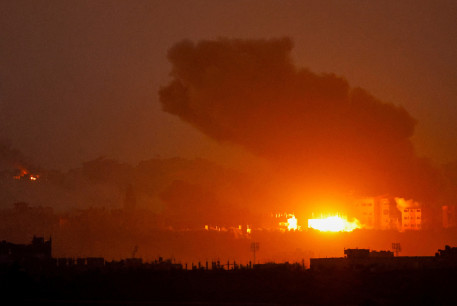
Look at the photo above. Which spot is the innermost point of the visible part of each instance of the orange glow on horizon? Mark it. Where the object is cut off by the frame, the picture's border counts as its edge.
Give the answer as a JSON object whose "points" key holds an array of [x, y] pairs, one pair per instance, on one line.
{"points": [[333, 224]]}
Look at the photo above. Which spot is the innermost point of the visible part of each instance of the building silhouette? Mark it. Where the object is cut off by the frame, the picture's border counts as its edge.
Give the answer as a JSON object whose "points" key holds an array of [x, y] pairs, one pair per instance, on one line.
{"points": [[38, 250]]}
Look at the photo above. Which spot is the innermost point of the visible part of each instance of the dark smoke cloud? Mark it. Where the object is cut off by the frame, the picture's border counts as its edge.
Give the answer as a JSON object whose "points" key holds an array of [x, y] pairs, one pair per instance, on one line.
{"points": [[315, 128]]}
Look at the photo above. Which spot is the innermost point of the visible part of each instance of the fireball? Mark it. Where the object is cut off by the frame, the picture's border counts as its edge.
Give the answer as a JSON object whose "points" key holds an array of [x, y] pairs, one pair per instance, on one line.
{"points": [[333, 224]]}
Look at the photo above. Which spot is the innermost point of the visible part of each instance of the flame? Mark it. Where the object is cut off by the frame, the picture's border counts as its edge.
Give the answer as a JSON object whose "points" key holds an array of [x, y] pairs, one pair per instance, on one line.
{"points": [[333, 224], [22, 174], [25, 174], [291, 224]]}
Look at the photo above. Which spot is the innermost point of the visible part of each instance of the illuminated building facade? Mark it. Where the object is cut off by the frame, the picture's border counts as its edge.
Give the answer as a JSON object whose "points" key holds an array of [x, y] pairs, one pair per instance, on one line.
{"points": [[377, 213], [365, 212], [411, 219]]}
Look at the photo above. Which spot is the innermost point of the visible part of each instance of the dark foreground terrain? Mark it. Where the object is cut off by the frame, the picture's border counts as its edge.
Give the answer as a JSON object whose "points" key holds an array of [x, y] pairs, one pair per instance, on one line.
{"points": [[234, 287]]}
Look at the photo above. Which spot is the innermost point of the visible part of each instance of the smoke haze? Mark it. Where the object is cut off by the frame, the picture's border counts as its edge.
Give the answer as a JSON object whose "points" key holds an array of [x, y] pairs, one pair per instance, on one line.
{"points": [[241, 131]]}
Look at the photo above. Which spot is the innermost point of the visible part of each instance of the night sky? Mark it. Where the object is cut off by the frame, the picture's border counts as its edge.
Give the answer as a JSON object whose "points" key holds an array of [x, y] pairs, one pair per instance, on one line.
{"points": [[81, 79]]}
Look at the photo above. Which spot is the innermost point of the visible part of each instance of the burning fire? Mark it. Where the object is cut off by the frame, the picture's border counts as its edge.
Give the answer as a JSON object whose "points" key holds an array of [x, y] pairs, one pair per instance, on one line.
{"points": [[333, 224], [24, 174], [291, 224]]}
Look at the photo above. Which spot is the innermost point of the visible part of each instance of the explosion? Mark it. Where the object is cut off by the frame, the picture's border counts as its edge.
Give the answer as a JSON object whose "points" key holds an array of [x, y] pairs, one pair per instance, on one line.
{"points": [[333, 224]]}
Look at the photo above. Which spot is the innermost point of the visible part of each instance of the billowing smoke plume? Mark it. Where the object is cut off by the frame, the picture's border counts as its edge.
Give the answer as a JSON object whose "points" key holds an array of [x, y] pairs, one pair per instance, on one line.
{"points": [[315, 128]]}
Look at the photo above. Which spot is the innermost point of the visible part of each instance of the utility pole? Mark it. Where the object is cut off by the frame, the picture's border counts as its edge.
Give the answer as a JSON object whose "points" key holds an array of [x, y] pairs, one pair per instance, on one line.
{"points": [[396, 247], [254, 248]]}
